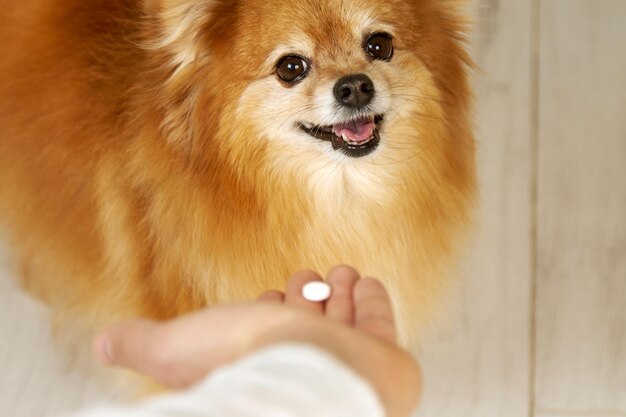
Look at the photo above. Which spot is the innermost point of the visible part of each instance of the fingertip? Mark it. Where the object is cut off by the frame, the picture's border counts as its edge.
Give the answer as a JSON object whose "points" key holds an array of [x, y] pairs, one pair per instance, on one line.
{"points": [[374, 312], [369, 286], [103, 349], [340, 306], [271, 297], [344, 270]]}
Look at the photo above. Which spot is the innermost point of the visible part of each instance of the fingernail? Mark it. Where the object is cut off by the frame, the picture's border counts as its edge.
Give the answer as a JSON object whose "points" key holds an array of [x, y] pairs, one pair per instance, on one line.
{"points": [[104, 349]]}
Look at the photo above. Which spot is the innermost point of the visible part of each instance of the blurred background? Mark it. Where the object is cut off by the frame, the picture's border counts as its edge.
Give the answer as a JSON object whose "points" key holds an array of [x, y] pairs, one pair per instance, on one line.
{"points": [[536, 323]]}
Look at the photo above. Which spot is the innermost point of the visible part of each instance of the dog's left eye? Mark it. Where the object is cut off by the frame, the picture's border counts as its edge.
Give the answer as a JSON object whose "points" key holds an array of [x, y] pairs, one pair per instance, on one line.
{"points": [[292, 68], [379, 46]]}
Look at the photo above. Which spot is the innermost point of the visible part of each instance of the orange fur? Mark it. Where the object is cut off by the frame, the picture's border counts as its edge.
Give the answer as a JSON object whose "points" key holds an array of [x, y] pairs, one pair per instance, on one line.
{"points": [[138, 177]]}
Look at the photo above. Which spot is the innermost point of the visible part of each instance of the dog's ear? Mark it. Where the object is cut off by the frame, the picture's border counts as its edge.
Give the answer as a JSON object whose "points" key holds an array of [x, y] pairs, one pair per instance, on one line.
{"points": [[173, 34], [462, 6], [459, 3], [175, 26]]}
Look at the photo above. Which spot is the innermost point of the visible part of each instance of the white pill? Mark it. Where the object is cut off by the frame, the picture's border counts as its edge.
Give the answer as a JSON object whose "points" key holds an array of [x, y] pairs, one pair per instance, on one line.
{"points": [[316, 291]]}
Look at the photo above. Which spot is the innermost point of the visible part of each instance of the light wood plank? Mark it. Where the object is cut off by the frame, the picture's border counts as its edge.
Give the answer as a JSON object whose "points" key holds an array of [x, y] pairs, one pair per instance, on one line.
{"points": [[478, 365], [581, 315], [579, 414], [35, 380]]}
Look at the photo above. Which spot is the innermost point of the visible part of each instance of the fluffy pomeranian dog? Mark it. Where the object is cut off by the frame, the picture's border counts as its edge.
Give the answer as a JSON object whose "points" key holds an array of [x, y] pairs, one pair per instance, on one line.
{"points": [[159, 156]]}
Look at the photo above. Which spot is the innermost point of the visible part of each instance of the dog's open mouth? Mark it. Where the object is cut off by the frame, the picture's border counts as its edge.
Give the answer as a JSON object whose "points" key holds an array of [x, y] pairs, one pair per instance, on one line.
{"points": [[355, 138]]}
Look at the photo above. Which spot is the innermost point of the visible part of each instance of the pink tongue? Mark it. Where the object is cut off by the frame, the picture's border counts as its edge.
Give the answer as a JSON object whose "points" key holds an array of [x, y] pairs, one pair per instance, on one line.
{"points": [[358, 131]]}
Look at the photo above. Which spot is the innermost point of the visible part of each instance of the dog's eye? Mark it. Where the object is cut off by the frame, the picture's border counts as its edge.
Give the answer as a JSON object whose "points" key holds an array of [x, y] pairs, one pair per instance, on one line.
{"points": [[292, 68], [379, 46]]}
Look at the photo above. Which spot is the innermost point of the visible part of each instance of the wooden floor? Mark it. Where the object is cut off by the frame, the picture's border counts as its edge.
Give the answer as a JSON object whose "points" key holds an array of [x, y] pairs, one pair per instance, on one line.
{"points": [[537, 324]]}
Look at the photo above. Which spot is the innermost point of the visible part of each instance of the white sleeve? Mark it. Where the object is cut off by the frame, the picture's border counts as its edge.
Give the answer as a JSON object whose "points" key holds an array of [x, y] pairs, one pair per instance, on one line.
{"points": [[289, 380]]}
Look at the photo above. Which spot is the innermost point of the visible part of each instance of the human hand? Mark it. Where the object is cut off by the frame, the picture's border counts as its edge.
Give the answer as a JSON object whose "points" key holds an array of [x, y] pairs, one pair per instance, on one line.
{"points": [[355, 324]]}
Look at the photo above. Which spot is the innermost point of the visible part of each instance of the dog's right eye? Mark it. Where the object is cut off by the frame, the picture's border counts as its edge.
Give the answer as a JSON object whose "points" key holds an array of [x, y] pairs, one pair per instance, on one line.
{"points": [[292, 68]]}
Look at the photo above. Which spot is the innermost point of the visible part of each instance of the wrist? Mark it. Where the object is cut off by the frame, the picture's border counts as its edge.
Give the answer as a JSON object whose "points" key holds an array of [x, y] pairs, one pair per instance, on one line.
{"points": [[392, 372]]}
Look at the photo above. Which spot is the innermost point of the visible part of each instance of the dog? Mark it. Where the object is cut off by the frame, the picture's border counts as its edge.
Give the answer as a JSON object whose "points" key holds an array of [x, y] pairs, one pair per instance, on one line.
{"points": [[160, 156]]}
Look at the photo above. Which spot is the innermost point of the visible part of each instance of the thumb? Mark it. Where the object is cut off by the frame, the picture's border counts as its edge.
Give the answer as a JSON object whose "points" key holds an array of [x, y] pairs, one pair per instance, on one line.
{"points": [[128, 344]]}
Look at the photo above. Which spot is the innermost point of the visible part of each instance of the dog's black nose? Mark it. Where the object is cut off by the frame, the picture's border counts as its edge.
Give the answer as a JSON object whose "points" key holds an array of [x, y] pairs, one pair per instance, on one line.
{"points": [[354, 91]]}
